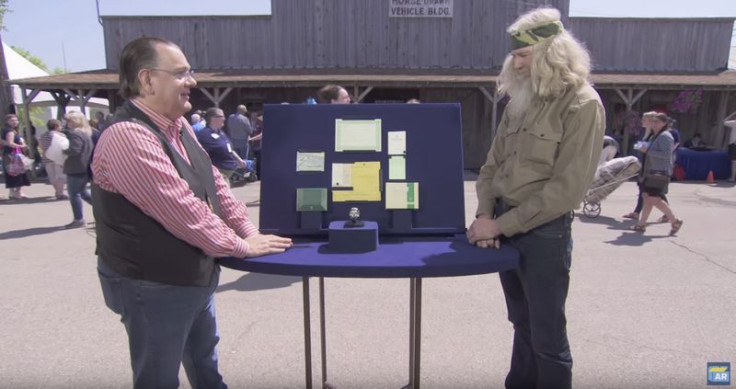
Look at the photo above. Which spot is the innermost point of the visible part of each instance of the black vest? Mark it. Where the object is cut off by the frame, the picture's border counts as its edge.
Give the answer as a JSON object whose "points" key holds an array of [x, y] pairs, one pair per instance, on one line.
{"points": [[137, 246]]}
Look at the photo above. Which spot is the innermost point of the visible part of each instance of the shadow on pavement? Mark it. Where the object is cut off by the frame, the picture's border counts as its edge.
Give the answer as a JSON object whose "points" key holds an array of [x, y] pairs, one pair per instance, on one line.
{"points": [[257, 281], [29, 232], [32, 200], [634, 239]]}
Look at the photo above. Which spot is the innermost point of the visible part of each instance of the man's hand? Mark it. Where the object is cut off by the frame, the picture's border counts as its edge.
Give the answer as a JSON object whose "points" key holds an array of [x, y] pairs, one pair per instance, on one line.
{"points": [[266, 244], [484, 232]]}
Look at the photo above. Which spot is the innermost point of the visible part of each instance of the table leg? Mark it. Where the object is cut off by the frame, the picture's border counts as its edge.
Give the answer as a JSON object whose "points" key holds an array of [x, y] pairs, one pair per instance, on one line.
{"points": [[415, 332], [307, 333], [323, 333]]}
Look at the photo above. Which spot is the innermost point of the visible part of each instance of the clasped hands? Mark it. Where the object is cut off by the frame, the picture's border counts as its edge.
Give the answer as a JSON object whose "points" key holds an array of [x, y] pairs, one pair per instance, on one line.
{"points": [[484, 232]]}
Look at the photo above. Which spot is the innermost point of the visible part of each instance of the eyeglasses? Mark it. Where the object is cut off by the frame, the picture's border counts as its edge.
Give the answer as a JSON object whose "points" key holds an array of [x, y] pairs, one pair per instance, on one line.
{"points": [[181, 75]]}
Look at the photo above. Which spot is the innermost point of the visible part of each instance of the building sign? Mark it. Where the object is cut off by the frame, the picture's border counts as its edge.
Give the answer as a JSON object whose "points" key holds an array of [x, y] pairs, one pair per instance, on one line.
{"points": [[420, 8]]}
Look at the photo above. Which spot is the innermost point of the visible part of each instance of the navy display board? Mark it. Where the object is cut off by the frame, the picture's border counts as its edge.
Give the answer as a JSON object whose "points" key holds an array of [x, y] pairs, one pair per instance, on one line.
{"points": [[434, 159]]}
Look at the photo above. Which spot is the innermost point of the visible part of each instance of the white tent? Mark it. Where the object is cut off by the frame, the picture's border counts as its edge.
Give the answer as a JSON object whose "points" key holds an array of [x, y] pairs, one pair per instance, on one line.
{"points": [[19, 67]]}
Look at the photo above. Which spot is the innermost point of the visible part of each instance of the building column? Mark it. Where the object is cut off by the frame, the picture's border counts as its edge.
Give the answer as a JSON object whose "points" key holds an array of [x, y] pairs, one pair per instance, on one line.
{"points": [[217, 95], [629, 99]]}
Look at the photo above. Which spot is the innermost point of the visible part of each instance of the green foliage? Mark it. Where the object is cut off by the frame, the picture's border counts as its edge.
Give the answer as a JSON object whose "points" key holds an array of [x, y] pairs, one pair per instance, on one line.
{"points": [[32, 58], [3, 10], [37, 117]]}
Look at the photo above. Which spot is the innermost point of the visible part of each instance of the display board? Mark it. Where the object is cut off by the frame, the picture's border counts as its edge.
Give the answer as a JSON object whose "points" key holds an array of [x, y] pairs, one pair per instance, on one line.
{"points": [[401, 165]]}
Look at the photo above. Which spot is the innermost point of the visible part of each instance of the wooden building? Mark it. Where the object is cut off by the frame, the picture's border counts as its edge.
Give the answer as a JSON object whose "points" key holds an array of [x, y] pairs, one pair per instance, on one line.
{"points": [[380, 55]]}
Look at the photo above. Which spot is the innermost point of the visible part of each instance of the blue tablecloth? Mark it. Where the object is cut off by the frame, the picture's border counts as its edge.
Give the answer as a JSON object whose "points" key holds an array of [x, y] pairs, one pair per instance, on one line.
{"points": [[697, 164], [395, 258]]}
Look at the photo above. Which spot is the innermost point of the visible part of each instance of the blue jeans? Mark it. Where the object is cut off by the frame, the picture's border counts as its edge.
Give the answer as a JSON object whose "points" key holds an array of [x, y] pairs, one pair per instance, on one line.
{"points": [[535, 297], [167, 326], [241, 147], [77, 188]]}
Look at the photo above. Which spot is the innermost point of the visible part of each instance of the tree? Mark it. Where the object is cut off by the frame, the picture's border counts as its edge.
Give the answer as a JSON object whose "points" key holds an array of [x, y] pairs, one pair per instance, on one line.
{"points": [[32, 58], [6, 98]]}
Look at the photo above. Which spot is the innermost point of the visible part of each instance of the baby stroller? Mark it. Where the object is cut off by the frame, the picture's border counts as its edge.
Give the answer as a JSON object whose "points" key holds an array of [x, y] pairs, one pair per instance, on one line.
{"points": [[242, 176], [608, 177]]}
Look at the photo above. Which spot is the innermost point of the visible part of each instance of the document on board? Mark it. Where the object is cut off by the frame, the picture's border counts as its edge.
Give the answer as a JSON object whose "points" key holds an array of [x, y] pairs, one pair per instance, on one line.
{"points": [[402, 195], [366, 178], [396, 167], [357, 135], [396, 142], [342, 175], [311, 199], [310, 162]]}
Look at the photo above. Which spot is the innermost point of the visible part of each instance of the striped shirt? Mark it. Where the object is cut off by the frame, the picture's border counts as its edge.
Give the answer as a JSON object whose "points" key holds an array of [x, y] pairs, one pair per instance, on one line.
{"points": [[45, 143], [129, 160]]}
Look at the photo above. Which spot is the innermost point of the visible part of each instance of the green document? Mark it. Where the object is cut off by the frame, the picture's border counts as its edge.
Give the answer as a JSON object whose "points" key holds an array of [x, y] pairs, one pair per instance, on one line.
{"points": [[396, 168], [311, 199]]}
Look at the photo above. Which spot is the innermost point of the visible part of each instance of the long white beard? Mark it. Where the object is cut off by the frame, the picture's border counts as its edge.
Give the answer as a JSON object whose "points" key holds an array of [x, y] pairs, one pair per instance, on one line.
{"points": [[521, 94]]}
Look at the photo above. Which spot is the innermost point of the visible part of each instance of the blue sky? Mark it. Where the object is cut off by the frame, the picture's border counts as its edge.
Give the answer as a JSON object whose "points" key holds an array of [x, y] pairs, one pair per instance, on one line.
{"points": [[66, 34]]}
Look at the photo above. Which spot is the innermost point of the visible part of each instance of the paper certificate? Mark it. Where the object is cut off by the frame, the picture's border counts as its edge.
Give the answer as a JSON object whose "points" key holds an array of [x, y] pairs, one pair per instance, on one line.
{"points": [[357, 135], [342, 175], [310, 162], [402, 195], [396, 168], [396, 142], [366, 178]]}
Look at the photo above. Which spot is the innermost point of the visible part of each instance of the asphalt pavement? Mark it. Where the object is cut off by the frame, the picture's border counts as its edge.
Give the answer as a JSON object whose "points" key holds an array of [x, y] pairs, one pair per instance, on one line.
{"points": [[644, 310]]}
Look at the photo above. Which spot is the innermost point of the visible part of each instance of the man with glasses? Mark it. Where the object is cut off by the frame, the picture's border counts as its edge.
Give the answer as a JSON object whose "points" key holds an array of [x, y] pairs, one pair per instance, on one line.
{"points": [[216, 143], [163, 213]]}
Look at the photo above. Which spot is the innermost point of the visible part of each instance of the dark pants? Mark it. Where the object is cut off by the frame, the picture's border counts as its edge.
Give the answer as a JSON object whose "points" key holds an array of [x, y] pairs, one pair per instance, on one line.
{"points": [[640, 200], [535, 297], [167, 326]]}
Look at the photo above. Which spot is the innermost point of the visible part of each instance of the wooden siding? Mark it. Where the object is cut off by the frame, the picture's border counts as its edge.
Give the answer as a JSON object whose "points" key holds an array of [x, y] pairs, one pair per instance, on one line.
{"points": [[309, 34], [656, 45]]}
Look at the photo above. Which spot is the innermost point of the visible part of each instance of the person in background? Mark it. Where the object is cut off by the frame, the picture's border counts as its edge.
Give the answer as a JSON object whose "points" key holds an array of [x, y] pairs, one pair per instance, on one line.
{"points": [[646, 122], [730, 122], [239, 129], [12, 143], [54, 171], [256, 141], [333, 94], [76, 165], [151, 177], [695, 142], [658, 159], [672, 128], [215, 142], [94, 124], [197, 123], [538, 170], [413, 101]]}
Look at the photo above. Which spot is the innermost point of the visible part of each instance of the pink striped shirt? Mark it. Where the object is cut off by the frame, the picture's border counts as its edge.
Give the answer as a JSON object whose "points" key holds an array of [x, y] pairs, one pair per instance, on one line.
{"points": [[130, 160]]}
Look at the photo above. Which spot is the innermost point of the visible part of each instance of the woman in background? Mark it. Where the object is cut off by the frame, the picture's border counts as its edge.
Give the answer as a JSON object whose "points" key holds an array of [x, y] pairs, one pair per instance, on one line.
{"points": [[77, 164]]}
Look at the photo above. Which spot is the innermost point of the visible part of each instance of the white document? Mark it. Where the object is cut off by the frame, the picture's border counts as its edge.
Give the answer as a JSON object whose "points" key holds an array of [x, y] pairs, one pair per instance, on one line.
{"points": [[357, 135], [402, 195], [55, 152], [310, 162], [342, 175], [396, 142]]}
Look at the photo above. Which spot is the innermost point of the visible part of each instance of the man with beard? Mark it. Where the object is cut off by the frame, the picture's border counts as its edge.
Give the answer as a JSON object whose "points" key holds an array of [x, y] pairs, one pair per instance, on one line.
{"points": [[537, 171], [163, 213]]}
